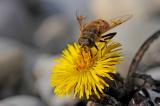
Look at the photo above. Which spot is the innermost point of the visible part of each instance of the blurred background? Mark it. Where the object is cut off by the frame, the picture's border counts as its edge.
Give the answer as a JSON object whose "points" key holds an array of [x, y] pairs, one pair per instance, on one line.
{"points": [[33, 32]]}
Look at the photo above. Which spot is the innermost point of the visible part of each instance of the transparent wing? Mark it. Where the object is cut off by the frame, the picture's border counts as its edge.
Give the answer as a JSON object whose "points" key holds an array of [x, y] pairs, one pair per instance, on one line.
{"points": [[119, 20]]}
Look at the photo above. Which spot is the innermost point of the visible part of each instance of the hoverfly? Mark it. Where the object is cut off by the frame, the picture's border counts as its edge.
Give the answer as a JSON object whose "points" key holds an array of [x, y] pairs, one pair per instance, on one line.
{"points": [[93, 32]]}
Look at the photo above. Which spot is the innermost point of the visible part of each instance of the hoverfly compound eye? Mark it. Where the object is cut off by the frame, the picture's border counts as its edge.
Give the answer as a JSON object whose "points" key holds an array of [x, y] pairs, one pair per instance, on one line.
{"points": [[84, 41], [80, 41]]}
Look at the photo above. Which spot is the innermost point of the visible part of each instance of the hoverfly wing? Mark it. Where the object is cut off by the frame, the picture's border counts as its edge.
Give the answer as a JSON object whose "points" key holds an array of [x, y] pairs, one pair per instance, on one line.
{"points": [[119, 20], [81, 21]]}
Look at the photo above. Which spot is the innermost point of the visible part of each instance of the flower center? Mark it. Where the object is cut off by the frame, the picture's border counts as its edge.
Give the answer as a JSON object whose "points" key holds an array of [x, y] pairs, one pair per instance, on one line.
{"points": [[84, 61]]}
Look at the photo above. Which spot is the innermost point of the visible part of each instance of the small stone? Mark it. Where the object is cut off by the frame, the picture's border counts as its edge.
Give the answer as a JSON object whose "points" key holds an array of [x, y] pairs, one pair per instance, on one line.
{"points": [[15, 21], [21, 101], [53, 34], [157, 101], [90, 103], [11, 63]]}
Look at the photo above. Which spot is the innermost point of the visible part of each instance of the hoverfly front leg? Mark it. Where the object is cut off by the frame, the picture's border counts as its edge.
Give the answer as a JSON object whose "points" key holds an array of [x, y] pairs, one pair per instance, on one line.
{"points": [[103, 46], [96, 47]]}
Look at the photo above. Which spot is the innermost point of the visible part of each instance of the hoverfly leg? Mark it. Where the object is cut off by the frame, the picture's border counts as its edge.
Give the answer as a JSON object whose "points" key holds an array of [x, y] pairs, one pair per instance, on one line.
{"points": [[90, 53], [103, 46], [102, 41], [83, 50], [109, 36], [96, 47]]}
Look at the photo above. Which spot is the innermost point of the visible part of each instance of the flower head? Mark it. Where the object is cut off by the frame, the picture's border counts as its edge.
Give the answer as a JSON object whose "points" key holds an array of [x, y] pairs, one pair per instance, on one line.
{"points": [[82, 71]]}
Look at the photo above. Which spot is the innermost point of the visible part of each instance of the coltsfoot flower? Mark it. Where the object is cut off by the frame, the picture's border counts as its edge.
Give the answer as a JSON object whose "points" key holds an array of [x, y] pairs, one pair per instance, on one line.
{"points": [[81, 72]]}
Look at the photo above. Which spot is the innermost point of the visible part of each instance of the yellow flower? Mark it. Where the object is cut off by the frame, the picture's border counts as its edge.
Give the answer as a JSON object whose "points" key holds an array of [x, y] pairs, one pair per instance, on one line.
{"points": [[82, 71]]}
